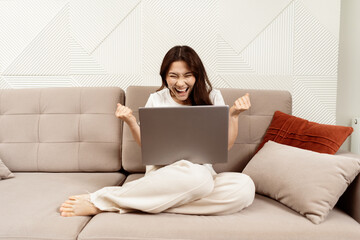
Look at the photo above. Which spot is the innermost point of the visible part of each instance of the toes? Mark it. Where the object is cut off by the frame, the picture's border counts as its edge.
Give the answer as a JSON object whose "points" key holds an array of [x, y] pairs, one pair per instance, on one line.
{"points": [[67, 204], [66, 209], [67, 214]]}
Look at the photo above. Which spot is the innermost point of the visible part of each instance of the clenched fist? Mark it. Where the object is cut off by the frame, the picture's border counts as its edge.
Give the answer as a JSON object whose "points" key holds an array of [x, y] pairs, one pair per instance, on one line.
{"points": [[240, 105], [124, 113]]}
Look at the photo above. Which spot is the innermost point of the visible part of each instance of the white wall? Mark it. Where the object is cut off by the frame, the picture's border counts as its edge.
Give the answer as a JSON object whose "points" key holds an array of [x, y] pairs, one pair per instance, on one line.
{"points": [[261, 44], [348, 100]]}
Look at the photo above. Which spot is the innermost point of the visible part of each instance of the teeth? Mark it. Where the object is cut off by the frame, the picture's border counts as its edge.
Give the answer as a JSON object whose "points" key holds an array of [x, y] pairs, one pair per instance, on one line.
{"points": [[183, 90]]}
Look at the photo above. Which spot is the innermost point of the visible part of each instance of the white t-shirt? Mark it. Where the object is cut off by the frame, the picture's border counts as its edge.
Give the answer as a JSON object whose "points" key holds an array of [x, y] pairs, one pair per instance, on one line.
{"points": [[163, 98]]}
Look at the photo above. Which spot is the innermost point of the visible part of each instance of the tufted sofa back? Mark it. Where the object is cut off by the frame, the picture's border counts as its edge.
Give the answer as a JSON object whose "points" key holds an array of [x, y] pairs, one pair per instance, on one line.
{"points": [[60, 129], [252, 124]]}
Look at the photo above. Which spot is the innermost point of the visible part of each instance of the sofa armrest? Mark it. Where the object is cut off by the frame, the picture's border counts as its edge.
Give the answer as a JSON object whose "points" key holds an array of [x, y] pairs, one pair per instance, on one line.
{"points": [[350, 200]]}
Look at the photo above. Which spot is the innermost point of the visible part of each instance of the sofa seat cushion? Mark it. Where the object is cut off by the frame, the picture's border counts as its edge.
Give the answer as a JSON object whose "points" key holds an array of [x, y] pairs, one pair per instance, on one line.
{"points": [[264, 219], [29, 203]]}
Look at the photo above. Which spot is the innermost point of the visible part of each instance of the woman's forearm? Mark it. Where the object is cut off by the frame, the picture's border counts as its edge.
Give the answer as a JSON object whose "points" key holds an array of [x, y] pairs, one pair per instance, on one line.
{"points": [[135, 131], [233, 130], [240, 105], [125, 114]]}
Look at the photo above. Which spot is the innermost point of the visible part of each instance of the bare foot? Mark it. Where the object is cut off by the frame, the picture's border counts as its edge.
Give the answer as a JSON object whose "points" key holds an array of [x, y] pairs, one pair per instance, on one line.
{"points": [[78, 205]]}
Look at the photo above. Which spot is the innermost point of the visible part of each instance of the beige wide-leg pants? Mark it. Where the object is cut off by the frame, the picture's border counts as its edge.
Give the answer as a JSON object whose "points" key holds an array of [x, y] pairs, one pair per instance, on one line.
{"points": [[182, 187]]}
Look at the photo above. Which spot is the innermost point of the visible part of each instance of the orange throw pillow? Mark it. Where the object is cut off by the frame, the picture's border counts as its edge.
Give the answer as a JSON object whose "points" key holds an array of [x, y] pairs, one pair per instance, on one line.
{"points": [[298, 132]]}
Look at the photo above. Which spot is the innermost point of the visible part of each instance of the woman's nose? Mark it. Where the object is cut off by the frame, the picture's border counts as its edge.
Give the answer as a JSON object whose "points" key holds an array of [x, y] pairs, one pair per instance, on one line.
{"points": [[181, 82]]}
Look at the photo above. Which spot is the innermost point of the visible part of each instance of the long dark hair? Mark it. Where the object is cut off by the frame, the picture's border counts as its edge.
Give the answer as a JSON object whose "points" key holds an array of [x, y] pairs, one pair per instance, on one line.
{"points": [[202, 87]]}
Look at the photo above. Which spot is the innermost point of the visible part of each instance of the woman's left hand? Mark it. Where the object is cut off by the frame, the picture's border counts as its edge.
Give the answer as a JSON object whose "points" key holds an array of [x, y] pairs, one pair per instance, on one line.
{"points": [[240, 105]]}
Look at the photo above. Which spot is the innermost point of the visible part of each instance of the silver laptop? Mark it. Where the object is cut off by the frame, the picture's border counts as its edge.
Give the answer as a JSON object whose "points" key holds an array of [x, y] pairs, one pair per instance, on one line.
{"points": [[195, 133]]}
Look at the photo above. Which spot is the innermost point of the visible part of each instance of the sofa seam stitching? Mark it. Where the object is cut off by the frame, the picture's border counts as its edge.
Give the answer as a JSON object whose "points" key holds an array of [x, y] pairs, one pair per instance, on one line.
{"points": [[38, 132], [79, 131]]}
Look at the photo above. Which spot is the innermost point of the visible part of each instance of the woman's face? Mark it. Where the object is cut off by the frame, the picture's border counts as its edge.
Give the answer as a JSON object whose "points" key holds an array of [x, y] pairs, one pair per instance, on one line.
{"points": [[180, 81]]}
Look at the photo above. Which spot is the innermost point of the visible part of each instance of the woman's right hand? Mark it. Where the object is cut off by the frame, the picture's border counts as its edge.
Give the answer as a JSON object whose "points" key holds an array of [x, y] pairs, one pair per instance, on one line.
{"points": [[124, 113]]}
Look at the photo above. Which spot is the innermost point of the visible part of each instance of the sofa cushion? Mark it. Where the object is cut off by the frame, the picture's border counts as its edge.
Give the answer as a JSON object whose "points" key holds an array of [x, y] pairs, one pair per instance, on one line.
{"points": [[29, 203], [306, 181], [298, 132], [4, 171], [265, 219], [61, 129], [253, 125], [350, 200]]}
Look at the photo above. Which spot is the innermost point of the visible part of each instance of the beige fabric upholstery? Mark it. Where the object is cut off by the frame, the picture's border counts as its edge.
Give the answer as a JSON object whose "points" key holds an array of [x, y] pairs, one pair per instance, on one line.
{"points": [[30, 201], [55, 130], [252, 124], [350, 200], [60, 129], [265, 219]]}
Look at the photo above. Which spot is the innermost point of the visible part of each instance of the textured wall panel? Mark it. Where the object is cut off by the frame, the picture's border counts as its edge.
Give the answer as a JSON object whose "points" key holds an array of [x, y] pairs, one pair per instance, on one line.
{"points": [[49, 52], [315, 48], [314, 98], [242, 20], [153, 79], [278, 44], [120, 52], [82, 62], [230, 61], [21, 22], [255, 81], [326, 12], [39, 81], [218, 81], [122, 81], [93, 20], [4, 84], [272, 51]]}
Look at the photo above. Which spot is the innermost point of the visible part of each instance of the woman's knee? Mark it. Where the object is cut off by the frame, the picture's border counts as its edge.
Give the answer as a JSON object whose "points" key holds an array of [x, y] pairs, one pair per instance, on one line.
{"points": [[239, 187], [247, 189], [199, 177], [204, 180]]}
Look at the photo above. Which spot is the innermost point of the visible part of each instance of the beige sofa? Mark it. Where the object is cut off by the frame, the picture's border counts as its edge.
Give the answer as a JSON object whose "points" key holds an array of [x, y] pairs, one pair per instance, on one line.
{"points": [[65, 141]]}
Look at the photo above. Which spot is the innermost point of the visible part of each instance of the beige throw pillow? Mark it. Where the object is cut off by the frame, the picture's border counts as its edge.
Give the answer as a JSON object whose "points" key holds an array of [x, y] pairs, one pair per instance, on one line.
{"points": [[306, 181], [4, 171]]}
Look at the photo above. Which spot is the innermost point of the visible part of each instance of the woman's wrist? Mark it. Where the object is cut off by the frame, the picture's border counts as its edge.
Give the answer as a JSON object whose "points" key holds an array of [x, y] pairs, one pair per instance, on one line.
{"points": [[131, 121], [233, 113]]}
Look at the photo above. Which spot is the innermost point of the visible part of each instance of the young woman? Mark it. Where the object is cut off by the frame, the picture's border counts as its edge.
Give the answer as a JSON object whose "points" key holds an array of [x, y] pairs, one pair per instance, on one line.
{"points": [[181, 187]]}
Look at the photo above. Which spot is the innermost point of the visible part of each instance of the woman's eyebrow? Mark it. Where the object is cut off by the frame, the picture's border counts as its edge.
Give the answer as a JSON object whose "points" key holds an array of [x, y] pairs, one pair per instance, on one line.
{"points": [[180, 73]]}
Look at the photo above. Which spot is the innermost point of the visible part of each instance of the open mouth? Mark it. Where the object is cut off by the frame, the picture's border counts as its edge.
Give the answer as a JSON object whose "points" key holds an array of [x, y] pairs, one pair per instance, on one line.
{"points": [[182, 90]]}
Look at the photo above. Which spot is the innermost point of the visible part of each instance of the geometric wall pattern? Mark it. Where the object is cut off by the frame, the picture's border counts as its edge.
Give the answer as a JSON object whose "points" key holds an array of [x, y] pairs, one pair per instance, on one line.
{"points": [[259, 44]]}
